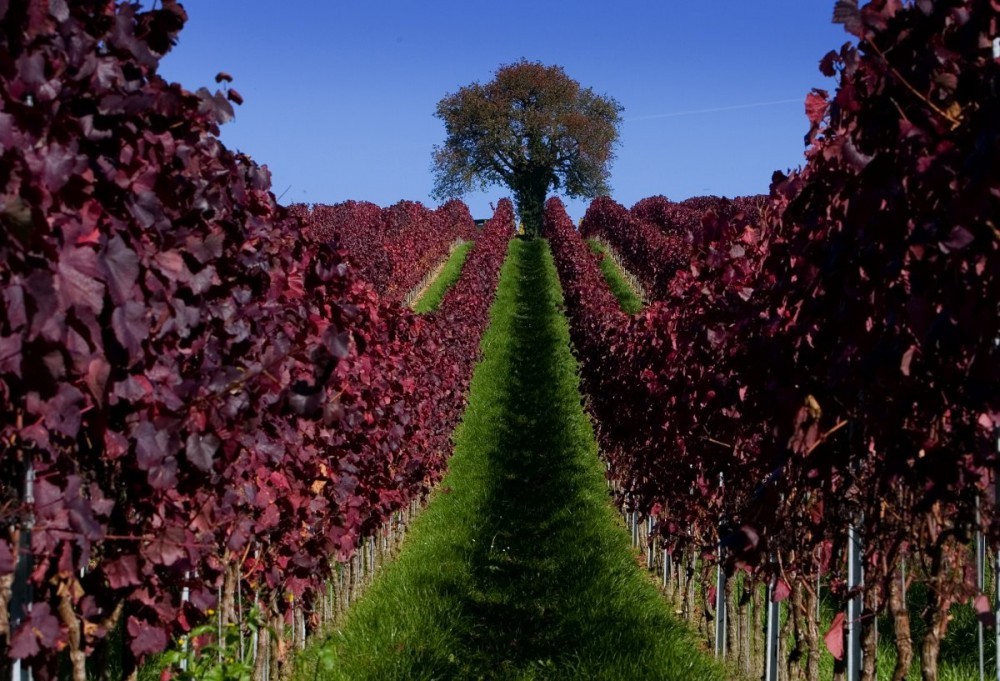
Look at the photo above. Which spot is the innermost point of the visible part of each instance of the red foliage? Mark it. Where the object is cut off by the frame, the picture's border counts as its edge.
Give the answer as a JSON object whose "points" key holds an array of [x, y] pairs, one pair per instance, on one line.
{"points": [[698, 219], [831, 353], [195, 379], [651, 255], [391, 248]]}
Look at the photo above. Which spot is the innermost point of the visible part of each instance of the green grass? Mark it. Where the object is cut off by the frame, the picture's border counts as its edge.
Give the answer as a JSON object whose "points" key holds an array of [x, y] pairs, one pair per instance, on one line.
{"points": [[626, 295], [445, 279], [519, 568]]}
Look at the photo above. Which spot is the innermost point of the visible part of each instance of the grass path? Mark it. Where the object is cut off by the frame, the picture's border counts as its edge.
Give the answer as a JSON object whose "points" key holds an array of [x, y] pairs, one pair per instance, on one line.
{"points": [[446, 278], [519, 567], [626, 295]]}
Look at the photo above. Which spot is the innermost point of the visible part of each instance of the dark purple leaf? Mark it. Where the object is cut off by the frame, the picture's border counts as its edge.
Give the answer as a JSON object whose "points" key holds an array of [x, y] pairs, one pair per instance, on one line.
{"points": [[172, 265], [62, 412], [146, 638], [215, 105], [123, 572], [959, 238], [10, 355], [163, 476], [13, 298], [201, 449], [76, 279], [167, 547], [131, 326], [98, 372], [150, 445], [846, 12], [121, 269], [40, 630], [337, 343]]}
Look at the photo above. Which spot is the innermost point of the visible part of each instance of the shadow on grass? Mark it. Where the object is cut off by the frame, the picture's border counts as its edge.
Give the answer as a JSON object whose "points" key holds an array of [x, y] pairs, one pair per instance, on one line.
{"points": [[540, 558]]}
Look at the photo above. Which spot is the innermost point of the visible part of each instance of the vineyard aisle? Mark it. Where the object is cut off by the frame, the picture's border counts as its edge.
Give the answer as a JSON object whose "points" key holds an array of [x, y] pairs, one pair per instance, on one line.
{"points": [[519, 568]]}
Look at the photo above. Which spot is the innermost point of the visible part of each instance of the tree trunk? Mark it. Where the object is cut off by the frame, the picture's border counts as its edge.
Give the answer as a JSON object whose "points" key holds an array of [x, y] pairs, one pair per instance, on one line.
{"points": [[529, 195]]}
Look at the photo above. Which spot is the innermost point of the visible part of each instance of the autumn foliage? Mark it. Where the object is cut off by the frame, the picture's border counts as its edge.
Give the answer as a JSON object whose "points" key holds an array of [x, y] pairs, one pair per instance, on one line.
{"points": [[826, 357], [194, 384], [392, 248]]}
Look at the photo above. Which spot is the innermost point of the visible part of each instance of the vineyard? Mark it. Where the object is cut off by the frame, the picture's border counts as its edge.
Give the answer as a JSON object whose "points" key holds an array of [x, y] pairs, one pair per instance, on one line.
{"points": [[222, 414]]}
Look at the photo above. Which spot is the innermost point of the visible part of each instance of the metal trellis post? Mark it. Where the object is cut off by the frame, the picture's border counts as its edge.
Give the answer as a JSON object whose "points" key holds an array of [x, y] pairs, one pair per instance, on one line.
{"points": [[773, 626], [855, 583], [21, 597]]}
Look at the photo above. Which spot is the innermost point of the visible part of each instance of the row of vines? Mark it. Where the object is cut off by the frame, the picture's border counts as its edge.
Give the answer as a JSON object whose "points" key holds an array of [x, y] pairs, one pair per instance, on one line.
{"points": [[390, 248], [201, 395], [821, 363]]}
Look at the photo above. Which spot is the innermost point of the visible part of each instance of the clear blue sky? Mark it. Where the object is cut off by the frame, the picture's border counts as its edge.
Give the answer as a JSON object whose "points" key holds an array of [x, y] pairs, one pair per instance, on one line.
{"points": [[340, 94]]}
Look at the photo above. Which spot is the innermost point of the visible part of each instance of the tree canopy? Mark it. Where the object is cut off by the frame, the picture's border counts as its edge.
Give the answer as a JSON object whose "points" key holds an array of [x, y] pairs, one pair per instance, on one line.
{"points": [[531, 128]]}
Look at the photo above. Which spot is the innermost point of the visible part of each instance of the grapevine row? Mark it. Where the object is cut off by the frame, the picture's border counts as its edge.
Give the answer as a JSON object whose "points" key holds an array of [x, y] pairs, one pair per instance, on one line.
{"points": [[833, 366], [200, 395], [390, 248], [650, 254]]}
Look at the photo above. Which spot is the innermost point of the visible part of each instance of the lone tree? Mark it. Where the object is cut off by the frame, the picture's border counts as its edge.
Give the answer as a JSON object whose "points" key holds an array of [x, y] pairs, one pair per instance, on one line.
{"points": [[531, 128]]}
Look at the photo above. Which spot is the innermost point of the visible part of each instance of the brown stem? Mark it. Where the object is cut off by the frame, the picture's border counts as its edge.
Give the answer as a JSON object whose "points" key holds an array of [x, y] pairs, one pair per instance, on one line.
{"points": [[955, 122], [784, 637], [6, 585], [869, 634], [707, 609], [901, 622], [938, 603], [757, 643], [227, 608], [796, 618], [688, 587], [277, 645], [732, 621], [263, 662], [77, 658], [811, 635]]}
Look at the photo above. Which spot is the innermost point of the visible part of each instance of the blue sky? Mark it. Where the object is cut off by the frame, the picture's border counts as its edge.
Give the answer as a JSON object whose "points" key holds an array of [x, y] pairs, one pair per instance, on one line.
{"points": [[340, 95]]}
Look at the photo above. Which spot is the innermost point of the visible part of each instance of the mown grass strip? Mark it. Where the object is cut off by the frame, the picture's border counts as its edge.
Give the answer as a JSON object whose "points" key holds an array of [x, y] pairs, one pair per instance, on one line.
{"points": [[626, 295], [519, 568], [434, 294]]}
